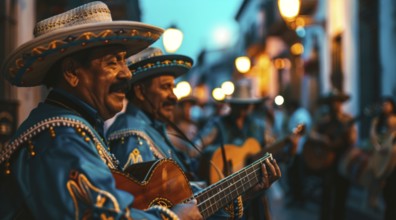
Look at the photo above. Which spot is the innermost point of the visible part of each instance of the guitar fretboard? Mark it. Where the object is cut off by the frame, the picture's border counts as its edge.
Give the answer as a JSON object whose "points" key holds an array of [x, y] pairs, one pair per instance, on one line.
{"points": [[220, 194]]}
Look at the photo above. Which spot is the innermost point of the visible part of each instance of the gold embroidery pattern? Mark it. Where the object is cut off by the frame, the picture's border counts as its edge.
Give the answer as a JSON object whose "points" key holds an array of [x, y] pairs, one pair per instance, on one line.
{"points": [[134, 157], [82, 190], [164, 63], [165, 212], [126, 133], [117, 35], [235, 209], [46, 124]]}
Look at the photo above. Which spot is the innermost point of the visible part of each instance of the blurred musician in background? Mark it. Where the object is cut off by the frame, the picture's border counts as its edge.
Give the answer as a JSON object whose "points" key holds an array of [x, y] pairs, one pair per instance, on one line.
{"points": [[382, 137], [336, 131]]}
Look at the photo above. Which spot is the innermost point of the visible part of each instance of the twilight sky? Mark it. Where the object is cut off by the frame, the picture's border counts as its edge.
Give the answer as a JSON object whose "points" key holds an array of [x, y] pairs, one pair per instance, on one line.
{"points": [[208, 24]]}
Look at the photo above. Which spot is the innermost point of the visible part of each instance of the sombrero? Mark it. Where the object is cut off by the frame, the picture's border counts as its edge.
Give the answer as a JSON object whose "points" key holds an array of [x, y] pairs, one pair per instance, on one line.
{"points": [[87, 26], [333, 95], [243, 94], [152, 62], [190, 99]]}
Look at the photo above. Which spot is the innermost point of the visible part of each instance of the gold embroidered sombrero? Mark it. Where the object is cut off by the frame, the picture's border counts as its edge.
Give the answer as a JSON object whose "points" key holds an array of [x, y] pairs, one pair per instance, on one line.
{"points": [[243, 94], [87, 26], [152, 62], [333, 95]]}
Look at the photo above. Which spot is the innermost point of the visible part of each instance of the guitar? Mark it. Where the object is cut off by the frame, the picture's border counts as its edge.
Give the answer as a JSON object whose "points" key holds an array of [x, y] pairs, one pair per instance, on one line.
{"points": [[162, 182], [212, 166], [317, 154], [383, 160]]}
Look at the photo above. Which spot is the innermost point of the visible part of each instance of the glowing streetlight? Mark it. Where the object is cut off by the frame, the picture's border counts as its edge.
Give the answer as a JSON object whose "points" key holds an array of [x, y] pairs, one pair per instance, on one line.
{"points": [[227, 87], [279, 100], [289, 9], [242, 64], [182, 89], [222, 36], [172, 39], [218, 94]]}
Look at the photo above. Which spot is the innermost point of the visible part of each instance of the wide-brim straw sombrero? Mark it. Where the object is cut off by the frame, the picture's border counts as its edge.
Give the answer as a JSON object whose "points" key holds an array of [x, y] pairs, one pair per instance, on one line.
{"points": [[243, 94], [188, 99], [84, 27], [152, 62], [333, 95]]}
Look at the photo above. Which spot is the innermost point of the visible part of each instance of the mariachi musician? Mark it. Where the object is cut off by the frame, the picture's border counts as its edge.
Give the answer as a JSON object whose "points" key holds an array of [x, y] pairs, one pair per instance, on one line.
{"points": [[235, 128], [383, 139], [336, 131], [139, 134]]}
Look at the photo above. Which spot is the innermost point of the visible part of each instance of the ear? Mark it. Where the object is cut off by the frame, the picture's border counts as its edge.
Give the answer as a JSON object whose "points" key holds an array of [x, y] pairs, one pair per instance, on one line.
{"points": [[138, 90], [71, 78], [69, 69]]}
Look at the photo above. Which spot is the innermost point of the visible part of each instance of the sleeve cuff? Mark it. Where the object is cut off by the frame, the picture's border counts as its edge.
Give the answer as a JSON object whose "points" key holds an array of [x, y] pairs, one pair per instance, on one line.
{"points": [[165, 212]]}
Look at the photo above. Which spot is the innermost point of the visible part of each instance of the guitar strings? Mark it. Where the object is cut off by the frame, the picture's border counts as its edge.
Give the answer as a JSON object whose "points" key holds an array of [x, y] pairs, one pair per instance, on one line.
{"points": [[232, 176]]}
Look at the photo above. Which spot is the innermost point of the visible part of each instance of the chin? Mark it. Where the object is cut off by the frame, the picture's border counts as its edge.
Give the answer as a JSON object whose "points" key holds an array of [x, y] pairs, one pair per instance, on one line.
{"points": [[168, 116], [110, 114]]}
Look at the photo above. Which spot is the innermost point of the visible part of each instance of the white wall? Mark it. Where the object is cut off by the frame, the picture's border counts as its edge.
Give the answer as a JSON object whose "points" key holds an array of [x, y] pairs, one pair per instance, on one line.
{"points": [[28, 97], [387, 42], [351, 51], [343, 18]]}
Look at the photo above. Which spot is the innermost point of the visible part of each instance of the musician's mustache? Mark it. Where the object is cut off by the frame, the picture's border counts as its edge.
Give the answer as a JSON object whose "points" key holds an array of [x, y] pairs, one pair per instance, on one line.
{"points": [[123, 86], [169, 103]]}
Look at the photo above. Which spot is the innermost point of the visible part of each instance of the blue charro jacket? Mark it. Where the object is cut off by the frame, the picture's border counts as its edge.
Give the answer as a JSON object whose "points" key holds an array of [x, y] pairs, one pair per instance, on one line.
{"points": [[58, 167], [135, 138]]}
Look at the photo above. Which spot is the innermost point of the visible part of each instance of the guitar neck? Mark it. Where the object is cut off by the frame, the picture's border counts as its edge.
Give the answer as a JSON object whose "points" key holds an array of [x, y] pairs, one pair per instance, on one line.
{"points": [[218, 195], [277, 146], [274, 149]]}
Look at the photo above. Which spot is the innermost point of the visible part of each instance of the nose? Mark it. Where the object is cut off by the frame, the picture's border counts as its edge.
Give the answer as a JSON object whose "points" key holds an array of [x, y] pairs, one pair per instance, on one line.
{"points": [[125, 73], [172, 95]]}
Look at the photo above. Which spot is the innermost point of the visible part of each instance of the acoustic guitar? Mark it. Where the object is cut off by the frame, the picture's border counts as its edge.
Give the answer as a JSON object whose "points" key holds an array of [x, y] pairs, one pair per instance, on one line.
{"points": [[383, 160], [162, 182], [212, 166], [317, 154]]}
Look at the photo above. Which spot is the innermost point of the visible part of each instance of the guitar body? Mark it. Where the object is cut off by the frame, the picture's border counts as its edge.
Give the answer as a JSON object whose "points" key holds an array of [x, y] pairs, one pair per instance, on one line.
{"points": [[212, 166], [236, 156], [160, 182], [164, 183], [383, 160], [317, 155], [353, 165]]}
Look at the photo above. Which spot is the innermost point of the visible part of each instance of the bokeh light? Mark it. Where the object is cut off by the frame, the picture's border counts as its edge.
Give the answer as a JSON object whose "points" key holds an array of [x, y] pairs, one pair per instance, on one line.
{"points": [[279, 100], [297, 49], [172, 39], [289, 8], [227, 87], [182, 89], [242, 64], [218, 94]]}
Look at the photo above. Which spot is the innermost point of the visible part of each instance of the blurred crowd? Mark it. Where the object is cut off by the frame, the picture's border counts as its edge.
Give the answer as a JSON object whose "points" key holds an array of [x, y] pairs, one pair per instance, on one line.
{"points": [[328, 149]]}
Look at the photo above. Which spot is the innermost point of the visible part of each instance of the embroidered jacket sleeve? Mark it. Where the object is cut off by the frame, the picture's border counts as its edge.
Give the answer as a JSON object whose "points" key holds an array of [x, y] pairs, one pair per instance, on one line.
{"points": [[60, 174]]}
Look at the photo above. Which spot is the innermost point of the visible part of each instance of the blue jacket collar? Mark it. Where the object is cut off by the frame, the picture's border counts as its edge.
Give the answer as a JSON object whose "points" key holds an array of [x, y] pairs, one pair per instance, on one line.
{"points": [[63, 99]]}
